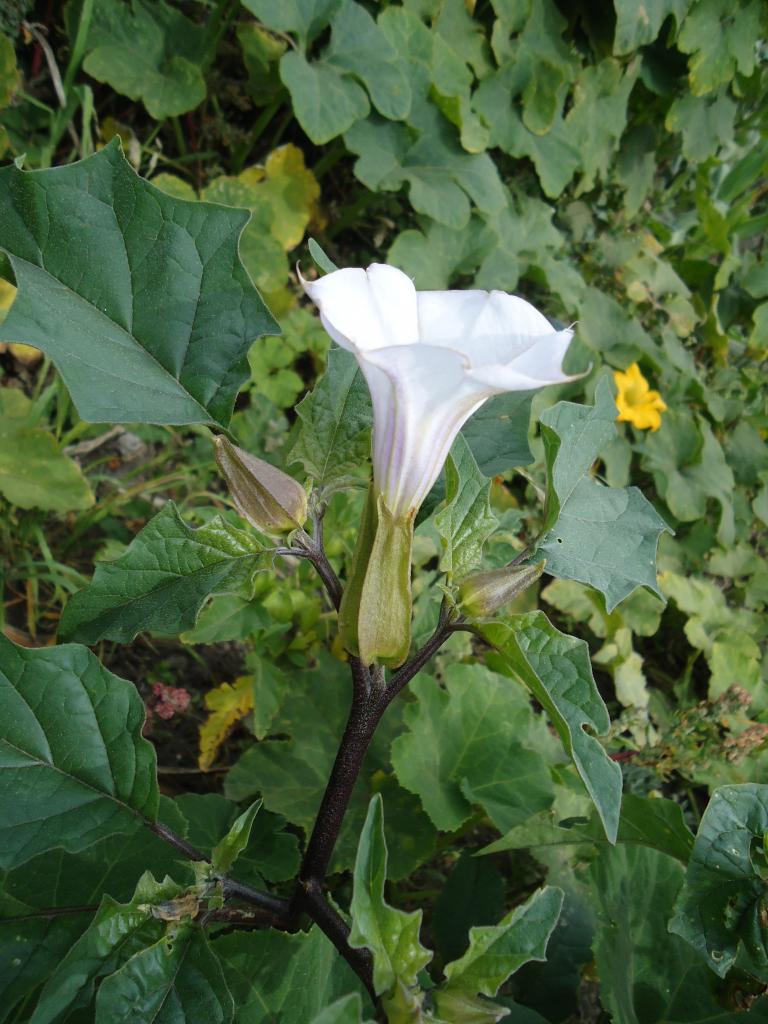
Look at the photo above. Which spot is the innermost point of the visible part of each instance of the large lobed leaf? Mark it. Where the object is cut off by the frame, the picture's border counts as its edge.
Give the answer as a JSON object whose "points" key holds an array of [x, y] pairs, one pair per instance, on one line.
{"points": [[274, 976], [647, 975], [162, 580], [140, 299], [724, 900], [147, 51], [557, 670], [73, 764], [144, 971], [472, 742], [603, 536]]}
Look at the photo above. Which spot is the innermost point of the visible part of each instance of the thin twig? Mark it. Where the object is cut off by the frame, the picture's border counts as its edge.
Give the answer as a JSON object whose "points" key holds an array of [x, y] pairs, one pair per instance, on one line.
{"points": [[170, 837], [445, 627], [52, 912], [275, 908]]}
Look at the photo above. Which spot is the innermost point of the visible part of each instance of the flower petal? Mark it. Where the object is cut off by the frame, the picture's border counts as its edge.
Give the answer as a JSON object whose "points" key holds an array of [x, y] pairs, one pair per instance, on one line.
{"points": [[422, 396], [540, 364], [488, 327], [366, 309]]}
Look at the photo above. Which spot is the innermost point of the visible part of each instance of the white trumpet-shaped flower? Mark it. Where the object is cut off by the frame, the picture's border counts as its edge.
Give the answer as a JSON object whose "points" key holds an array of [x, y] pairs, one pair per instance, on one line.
{"points": [[431, 359]]}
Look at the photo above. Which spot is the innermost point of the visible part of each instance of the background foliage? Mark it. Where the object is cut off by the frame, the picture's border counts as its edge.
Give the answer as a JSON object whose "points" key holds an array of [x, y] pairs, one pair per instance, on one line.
{"points": [[607, 162]]}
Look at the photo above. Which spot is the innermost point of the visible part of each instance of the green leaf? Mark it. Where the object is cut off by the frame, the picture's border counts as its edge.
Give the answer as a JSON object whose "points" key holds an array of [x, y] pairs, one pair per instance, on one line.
{"points": [[465, 521], [73, 764], [148, 52], [274, 976], [270, 686], [524, 241], [657, 823], [34, 471], [719, 43], [471, 896], [139, 298], [162, 579], [557, 670], [360, 47], [336, 417], [271, 852], [573, 437], [603, 536], [596, 121], [689, 467], [110, 866], [29, 951], [435, 254], [498, 432], [391, 935], [116, 933], [472, 742], [606, 326], [347, 1010], [178, 980], [305, 18], [228, 849], [639, 24], [441, 177], [326, 101], [648, 976], [724, 899], [555, 156], [706, 123], [321, 258], [291, 774], [497, 951]]}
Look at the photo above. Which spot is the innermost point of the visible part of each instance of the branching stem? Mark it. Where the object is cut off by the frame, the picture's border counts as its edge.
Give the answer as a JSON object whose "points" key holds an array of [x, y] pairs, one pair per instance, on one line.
{"points": [[371, 696]]}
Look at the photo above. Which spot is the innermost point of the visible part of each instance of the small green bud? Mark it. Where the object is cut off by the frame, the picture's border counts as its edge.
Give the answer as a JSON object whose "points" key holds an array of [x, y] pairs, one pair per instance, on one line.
{"points": [[269, 499], [482, 595]]}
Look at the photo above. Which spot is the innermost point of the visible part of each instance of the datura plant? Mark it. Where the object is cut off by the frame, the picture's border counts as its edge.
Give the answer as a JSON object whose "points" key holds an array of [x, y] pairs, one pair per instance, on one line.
{"points": [[141, 302], [430, 359]]}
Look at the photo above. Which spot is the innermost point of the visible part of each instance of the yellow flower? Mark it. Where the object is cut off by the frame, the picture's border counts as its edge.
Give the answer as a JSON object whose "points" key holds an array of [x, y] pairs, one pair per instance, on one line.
{"points": [[636, 403]]}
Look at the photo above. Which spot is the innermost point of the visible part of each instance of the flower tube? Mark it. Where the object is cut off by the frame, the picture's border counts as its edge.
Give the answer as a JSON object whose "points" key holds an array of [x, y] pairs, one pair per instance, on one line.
{"points": [[430, 360]]}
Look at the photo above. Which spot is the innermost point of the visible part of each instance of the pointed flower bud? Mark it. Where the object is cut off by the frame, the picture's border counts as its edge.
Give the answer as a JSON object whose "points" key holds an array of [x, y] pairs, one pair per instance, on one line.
{"points": [[269, 499], [482, 595]]}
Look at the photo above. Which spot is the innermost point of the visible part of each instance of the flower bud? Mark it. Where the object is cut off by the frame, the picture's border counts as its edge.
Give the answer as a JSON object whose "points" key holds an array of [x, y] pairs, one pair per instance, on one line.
{"points": [[269, 499], [482, 595]]}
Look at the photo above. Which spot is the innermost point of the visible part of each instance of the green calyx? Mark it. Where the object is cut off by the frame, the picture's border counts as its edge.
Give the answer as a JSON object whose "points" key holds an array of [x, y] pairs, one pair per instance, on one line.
{"points": [[375, 612]]}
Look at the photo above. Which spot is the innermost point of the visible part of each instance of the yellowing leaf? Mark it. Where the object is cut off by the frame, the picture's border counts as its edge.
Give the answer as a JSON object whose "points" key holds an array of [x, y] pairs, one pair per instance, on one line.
{"points": [[26, 354], [260, 250], [7, 295], [228, 705], [293, 192], [174, 186]]}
